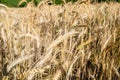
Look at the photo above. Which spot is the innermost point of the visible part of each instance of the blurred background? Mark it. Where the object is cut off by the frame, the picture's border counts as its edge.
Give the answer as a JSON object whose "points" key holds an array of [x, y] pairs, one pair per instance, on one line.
{"points": [[15, 3]]}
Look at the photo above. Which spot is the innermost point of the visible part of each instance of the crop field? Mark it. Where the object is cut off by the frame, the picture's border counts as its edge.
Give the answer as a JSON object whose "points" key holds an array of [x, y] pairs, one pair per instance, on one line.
{"points": [[79, 41]]}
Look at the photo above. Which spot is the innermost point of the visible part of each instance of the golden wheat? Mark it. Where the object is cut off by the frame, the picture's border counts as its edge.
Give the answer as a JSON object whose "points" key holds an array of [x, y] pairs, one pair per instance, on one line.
{"points": [[60, 42]]}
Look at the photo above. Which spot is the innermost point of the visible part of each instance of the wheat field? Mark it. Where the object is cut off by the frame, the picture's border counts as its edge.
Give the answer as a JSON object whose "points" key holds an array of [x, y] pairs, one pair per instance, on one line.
{"points": [[60, 42]]}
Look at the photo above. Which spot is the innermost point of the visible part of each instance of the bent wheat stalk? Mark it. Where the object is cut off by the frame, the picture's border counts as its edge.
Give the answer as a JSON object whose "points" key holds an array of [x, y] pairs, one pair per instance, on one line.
{"points": [[17, 61]]}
